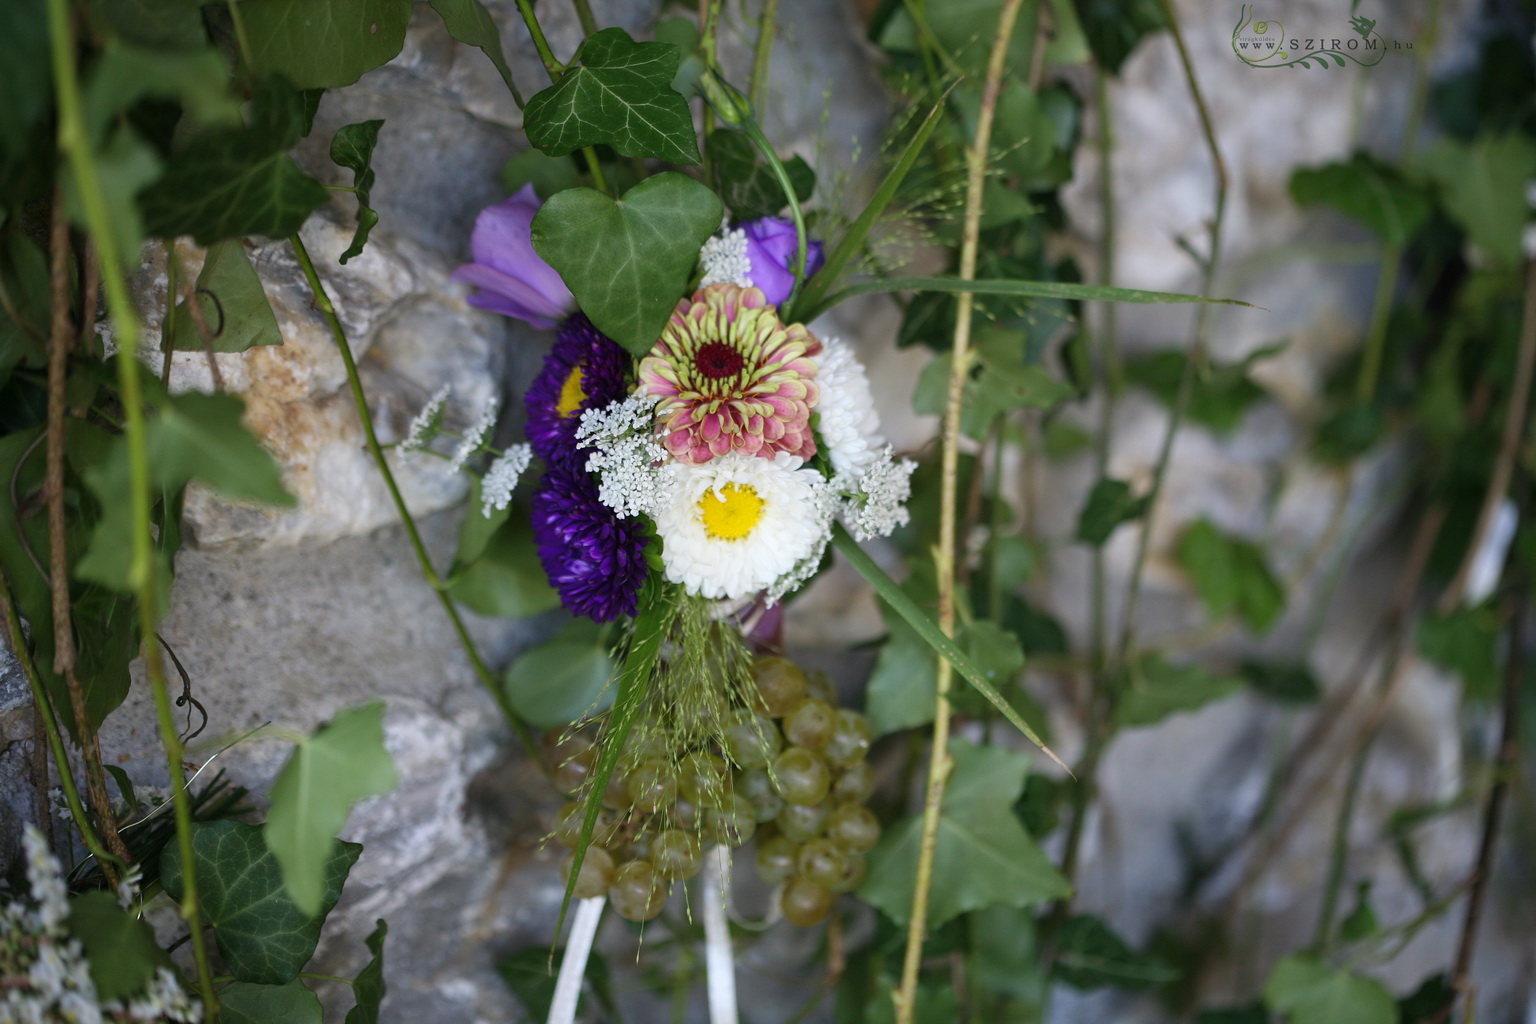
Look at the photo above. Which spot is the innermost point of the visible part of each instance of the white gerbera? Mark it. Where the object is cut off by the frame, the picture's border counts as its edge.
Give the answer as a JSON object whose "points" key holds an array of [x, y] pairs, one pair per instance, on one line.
{"points": [[848, 424], [738, 523]]}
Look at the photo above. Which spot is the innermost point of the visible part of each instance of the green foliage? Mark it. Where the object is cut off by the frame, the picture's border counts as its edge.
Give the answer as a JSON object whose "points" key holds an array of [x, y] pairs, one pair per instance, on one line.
{"points": [[1090, 955], [746, 184], [352, 147], [339, 765], [1360, 923], [199, 436], [368, 987], [1371, 191], [157, 24], [1482, 185], [1220, 395], [25, 287], [471, 24], [1288, 682], [121, 949], [563, 680], [1109, 506], [262, 933], [1465, 642], [1231, 576], [530, 974], [323, 45], [1153, 689], [901, 688], [628, 260], [233, 304], [620, 96], [245, 1003], [547, 174], [25, 74], [1114, 27], [984, 857], [1306, 991], [496, 570], [991, 389]]}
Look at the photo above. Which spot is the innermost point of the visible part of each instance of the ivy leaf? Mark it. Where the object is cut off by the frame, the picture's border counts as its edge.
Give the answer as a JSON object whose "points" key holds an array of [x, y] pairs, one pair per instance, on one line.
{"points": [[504, 579], [25, 72], [329, 772], [1289, 682], [1465, 641], [1482, 184], [1361, 922], [1091, 955], [1109, 505], [471, 24], [620, 96], [1155, 689], [558, 682], [1231, 576], [230, 182], [992, 389], [233, 303], [199, 436], [25, 283], [1220, 396], [628, 260], [1114, 27], [244, 1003], [352, 147], [121, 950], [1309, 992], [156, 24], [748, 187], [901, 687], [323, 45], [126, 164], [1371, 191], [368, 987], [984, 858], [261, 932], [547, 174]]}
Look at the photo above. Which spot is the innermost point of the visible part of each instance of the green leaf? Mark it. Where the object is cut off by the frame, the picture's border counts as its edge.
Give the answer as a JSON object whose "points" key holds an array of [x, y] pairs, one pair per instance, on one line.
{"points": [[1371, 191], [199, 436], [26, 72], [262, 933], [329, 772], [1361, 922], [991, 390], [26, 287], [547, 174], [323, 45], [1091, 955], [1005, 953], [1114, 27], [1154, 689], [368, 987], [1289, 682], [628, 260], [530, 974], [1431, 1001], [983, 858], [1348, 434], [1309, 992], [1231, 576], [620, 96], [746, 184], [198, 80], [1253, 1013], [471, 24], [1220, 396], [233, 303], [505, 579], [155, 24], [900, 691], [245, 1003], [125, 164], [563, 680], [121, 950], [1465, 642], [231, 182], [1482, 184], [1110, 504], [352, 147]]}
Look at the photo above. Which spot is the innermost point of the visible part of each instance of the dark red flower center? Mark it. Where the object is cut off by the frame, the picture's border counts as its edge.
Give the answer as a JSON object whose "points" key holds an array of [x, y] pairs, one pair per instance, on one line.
{"points": [[716, 360]]}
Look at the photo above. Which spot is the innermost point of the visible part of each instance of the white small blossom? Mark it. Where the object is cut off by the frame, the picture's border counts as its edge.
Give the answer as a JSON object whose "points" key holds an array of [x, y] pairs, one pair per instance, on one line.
{"points": [[428, 422], [824, 506], [501, 478], [46, 881], [724, 259], [879, 505], [629, 463], [476, 435]]}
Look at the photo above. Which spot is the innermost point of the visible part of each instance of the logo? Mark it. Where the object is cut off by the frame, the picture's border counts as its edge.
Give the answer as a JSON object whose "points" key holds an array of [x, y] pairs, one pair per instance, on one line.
{"points": [[1265, 44]]}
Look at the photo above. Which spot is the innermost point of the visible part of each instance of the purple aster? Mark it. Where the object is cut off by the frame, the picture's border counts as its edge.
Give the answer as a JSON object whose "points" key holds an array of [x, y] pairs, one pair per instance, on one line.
{"points": [[594, 559], [585, 370], [771, 252], [509, 277]]}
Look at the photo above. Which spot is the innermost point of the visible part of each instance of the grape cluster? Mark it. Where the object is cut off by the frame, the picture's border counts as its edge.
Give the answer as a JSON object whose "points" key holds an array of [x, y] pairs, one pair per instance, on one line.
{"points": [[790, 770]]}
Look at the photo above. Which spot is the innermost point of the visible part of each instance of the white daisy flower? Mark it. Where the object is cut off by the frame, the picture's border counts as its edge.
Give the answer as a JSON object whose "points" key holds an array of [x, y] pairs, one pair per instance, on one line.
{"points": [[427, 423], [876, 504], [724, 259], [501, 478], [847, 422], [738, 523]]}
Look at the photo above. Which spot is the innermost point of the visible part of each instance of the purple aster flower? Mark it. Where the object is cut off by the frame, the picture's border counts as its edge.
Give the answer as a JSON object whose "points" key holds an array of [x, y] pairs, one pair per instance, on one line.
{"points": [[509, 277], [771, 251], [585, 370], [594, 560]]}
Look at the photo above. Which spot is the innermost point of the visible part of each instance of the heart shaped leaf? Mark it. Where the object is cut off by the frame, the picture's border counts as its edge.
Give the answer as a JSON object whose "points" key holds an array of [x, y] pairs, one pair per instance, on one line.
{"points": [[628, 261]]}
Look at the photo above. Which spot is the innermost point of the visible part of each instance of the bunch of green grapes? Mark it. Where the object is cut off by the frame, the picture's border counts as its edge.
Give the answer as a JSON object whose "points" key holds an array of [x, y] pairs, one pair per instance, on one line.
{"points": [[790, 771]]}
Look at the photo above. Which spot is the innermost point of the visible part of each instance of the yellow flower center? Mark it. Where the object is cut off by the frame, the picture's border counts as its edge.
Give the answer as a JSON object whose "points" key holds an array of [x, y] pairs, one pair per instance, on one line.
{"points": [[571, 395], [730, 513]]}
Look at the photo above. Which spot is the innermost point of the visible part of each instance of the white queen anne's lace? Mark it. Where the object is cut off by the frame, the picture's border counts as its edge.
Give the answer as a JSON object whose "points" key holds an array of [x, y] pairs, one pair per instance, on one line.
{"points": [[476, 435], [876, 503], [630, 464], [428, 422], [501, 478], [724, 259]]}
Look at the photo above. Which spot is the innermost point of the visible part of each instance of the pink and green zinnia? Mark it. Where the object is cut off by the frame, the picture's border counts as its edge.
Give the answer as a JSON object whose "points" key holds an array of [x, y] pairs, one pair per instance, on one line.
{"points": [[732, 378]]}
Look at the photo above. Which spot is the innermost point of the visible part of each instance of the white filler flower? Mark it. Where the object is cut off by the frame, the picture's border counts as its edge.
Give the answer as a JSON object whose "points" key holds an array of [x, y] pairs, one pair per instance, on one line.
{"points": [[738, 523], [724, 259], [848, 424]]}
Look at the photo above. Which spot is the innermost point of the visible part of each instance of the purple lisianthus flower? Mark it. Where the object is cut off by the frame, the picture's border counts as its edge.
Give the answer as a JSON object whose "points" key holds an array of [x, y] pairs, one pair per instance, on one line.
{"points": [[594, 560], [771, 251], [584, 370], [508, 276]]}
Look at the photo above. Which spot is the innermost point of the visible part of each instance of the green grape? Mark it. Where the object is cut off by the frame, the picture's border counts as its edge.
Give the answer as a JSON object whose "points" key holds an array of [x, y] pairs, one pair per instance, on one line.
{"points": [[636, 893], [751, 739], [780, 685], [819, 685], [652, 786], [567, 761], [810, 723], [675, 854], [616, 793], [596, 872], [853, 874], [568, 823], [805, 903], [802, 776], [733, 822], [776, 859], [757, 787], [802, 822], [855, 784], [822, 861], [703, 779], [854, 828], [850, 740]]}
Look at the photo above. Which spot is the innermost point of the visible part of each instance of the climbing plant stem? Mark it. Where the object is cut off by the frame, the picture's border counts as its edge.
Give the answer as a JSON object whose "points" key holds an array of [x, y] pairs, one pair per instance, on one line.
{"points": [[766, 27]]}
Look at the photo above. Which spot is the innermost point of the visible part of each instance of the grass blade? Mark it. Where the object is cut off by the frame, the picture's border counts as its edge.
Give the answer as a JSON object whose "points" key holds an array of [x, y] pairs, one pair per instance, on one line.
{"points": [[1031, 289]]}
